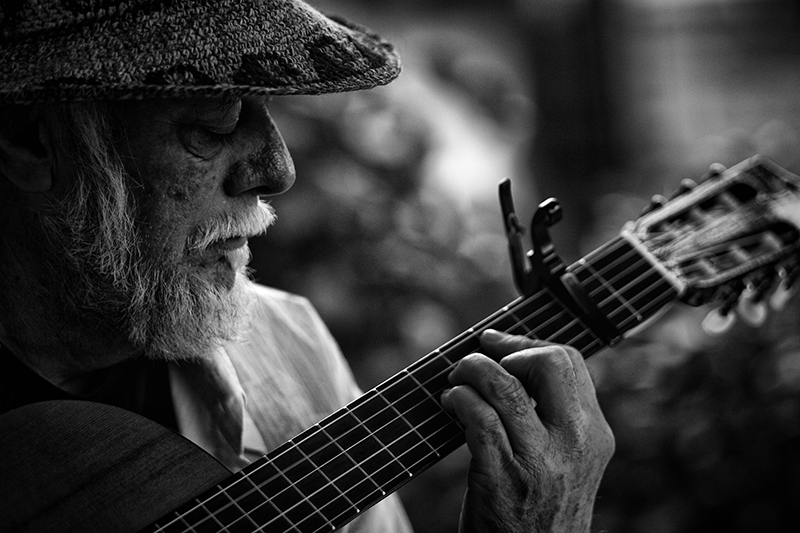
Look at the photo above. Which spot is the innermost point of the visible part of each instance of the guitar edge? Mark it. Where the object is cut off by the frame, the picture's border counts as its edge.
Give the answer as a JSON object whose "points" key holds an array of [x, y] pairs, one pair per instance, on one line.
{"points": [[87, 467]]}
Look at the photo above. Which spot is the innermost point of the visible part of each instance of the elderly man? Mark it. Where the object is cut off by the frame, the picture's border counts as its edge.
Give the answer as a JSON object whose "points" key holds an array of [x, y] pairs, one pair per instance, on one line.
{"points": [[137, 153]]}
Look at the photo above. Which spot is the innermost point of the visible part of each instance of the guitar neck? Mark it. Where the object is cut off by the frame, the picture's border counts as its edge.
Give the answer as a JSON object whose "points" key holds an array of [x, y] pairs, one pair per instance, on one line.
{"points": [[329, 474]]}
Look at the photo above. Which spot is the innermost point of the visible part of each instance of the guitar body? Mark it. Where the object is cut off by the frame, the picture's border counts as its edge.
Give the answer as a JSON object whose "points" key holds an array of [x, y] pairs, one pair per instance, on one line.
{"points": [[86, 467]]}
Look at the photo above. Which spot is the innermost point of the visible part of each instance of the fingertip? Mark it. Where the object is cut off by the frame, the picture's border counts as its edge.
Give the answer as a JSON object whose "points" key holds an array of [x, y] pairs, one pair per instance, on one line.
{"points": [[445, 397], [492, 335]]}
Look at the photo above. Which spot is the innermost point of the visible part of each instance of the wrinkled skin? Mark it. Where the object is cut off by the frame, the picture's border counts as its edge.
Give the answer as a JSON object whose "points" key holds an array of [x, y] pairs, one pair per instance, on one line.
{"points": [[538, 439]]}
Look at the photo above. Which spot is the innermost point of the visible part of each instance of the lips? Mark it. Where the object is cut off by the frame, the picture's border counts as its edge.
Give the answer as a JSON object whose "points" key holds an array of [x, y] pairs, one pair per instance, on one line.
{"points": [[232, 252], [228, 245]]}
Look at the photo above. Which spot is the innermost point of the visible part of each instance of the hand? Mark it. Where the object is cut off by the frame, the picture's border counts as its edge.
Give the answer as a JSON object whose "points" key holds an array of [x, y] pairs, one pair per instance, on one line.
{"points": [[538, 439]]}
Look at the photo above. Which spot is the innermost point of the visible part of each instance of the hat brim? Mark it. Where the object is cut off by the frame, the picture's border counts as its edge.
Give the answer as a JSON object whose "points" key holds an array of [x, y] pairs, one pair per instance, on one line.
{"points": [[190, 48]]}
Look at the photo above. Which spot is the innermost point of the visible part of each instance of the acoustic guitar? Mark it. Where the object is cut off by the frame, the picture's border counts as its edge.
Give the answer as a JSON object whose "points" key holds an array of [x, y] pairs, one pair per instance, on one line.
{"points": [[84, 467]]}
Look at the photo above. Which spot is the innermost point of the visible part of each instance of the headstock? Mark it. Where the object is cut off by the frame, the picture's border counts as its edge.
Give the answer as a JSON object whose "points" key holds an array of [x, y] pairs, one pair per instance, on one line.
{"points": [[734, 238]]}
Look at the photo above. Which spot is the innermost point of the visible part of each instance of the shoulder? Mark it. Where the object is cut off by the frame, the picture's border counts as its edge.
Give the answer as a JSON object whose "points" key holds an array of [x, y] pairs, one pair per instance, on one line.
{"points": [[274, 308], [269, 299], [287, 341]]}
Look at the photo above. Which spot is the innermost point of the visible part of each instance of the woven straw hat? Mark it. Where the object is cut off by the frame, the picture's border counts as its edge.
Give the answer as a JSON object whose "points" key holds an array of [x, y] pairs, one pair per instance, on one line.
{"points": [[64, 50]]}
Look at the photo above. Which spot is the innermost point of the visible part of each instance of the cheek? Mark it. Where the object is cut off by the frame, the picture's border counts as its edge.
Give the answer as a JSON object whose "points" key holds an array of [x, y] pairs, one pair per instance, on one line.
{"points": [[171, 203]]}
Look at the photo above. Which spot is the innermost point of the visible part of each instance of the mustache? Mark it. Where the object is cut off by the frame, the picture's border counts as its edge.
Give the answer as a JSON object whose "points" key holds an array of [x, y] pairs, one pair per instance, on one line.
{"points": [[225, 226]]}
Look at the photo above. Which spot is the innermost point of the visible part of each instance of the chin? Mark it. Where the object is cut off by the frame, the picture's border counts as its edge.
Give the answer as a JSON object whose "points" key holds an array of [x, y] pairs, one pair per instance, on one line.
{"points": [[198, 314], [230, 268]]}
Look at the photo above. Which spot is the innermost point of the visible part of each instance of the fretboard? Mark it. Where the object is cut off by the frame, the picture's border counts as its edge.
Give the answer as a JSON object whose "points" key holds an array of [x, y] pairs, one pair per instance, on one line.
{"points": [[332, 472]]}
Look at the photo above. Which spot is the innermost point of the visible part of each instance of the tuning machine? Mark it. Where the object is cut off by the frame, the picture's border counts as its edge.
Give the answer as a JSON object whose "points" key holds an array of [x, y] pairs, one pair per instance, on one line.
{"points": [[751, 300]]}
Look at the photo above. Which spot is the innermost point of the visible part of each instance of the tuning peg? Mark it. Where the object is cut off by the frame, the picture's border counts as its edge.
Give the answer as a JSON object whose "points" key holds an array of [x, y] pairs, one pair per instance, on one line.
{"points": [[751, 307], [781, 296], [656, 202], [784, 290], [714, 171], [718, 321]]}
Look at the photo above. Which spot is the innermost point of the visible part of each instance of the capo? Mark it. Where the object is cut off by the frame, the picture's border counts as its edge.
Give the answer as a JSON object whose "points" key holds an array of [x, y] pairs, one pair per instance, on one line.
{"points": [[543, 268]]}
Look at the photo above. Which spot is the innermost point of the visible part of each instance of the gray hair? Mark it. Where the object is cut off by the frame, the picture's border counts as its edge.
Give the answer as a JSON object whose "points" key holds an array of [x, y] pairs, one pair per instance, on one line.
{"points": [[167, 311]]}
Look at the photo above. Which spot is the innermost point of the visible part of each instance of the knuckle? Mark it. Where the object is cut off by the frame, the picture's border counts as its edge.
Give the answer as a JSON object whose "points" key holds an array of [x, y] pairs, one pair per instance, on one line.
{"points": [[607, 443], [511, 393], [559, 357], [473, 359], [503, 386], [489, 429]]}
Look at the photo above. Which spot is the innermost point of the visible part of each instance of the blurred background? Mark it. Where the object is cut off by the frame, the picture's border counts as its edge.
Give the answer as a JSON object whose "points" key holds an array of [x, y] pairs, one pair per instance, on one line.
{"points": [[393, 229]]}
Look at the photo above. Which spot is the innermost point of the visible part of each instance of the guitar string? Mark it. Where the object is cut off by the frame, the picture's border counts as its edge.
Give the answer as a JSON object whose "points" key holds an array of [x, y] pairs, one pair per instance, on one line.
{"points": [[508, 313], [531, 332], [726, 254], [361, 425], [412, 466], [734, 207], [338, 516], [394, 479], [511, 313]]}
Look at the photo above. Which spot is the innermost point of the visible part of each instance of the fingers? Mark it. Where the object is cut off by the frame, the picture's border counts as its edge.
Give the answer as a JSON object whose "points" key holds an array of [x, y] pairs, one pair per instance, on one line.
{"points": [[492, 402], [497, 345], [538, 386], [484, 431], [549, 376]]}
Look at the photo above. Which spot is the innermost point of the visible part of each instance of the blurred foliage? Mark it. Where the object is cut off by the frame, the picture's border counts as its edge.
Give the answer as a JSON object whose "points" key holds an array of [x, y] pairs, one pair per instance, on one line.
{"points": [[707, 428]]}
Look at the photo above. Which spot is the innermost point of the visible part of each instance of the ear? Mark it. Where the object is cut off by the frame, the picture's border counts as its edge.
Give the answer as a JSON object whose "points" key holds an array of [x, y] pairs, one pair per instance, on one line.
{"points": [[27, 151]]}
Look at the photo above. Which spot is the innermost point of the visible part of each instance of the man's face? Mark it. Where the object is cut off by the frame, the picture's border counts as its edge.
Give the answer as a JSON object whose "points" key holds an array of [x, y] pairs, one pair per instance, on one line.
{"points": [[197, 165], [164, 261]]}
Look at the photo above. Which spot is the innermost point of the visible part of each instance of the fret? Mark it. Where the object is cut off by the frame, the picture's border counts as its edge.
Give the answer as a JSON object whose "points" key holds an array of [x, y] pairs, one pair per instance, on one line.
{"points": [[345, 425], [628, 282], [654, 304], [536, 311], [411, 428], [639, 281], [648, 284], [326, 497], [329, 498], [223, 508], [291, 486], [332, 462], [563, 327], [556, 328], [200, 520], [418, 407], [509, 322], [383, 428], [222, 503], [614, 299], [432, 372], [581, 338], [176, 526], [261, 510], [380, 466], [434, 392], [444, 436], [242, 524]]}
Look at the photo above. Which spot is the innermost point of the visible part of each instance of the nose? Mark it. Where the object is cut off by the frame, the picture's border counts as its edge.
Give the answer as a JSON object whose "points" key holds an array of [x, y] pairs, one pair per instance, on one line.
{"points": [[264, 167]]}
